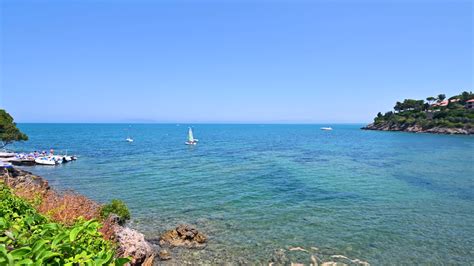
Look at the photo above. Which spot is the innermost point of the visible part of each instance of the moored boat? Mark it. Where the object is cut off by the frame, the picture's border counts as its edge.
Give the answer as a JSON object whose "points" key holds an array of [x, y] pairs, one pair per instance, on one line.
{"points": [[46, 161], [326, 128]]}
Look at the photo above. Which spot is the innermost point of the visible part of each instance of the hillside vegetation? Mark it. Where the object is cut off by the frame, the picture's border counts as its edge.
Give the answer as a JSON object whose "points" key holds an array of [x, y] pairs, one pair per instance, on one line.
{"points": [[435, 115]]}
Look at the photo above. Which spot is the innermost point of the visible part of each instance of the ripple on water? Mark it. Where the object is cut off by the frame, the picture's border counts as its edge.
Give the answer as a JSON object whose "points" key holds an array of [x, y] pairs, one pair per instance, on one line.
{"points": [[383, 197]]}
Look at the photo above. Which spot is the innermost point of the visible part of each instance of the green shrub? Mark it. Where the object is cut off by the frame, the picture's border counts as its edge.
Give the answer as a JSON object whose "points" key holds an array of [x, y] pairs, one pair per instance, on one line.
{"points": [[117, 207], [27, 237]]}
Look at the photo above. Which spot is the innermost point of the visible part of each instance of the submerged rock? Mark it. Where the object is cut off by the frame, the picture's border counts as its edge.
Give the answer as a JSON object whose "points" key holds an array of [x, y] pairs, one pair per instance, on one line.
{"points": [[183, 236], [297, 249], [333, 263], [164, 254]]}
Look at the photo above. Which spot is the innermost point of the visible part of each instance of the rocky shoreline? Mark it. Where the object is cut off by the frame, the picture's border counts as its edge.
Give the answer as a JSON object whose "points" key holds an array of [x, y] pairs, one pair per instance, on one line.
{"points": [[418, 129], [130, 242], [163, 249]]}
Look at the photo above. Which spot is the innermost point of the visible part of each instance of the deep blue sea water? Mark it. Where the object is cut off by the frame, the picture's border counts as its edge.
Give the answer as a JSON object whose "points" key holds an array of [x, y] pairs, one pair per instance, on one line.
{"points": [[383, 197]]}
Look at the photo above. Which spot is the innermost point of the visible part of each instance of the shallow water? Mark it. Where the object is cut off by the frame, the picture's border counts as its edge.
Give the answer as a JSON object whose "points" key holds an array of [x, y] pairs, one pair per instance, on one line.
{"points": [[383, 197]]}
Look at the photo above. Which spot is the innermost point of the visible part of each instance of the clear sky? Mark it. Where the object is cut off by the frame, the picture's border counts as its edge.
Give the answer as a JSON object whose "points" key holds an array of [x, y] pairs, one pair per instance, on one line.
{"points": [[238, 61]]}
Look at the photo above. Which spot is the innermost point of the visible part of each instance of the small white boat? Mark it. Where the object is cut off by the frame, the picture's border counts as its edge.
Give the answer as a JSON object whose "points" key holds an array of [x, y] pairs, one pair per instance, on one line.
{"points": [[46, 161], [326, 128], [59, 159], [191, 139], [129, 139], [5, 165], [67, 158]]}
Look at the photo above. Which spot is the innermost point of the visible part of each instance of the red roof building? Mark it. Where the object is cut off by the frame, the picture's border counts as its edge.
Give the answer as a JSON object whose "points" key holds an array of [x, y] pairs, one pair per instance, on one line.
{"points": [[470, 104]]}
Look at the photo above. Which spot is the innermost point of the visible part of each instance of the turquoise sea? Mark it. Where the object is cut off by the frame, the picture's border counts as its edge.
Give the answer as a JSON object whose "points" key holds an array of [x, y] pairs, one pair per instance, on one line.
{"points": [[255, 190]]}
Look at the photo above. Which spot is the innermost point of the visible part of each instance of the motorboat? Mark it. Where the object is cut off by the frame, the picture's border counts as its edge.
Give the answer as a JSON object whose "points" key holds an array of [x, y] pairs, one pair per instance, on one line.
{"points": [[5, 165], [59, 159], [46, 161], [326, 128]]}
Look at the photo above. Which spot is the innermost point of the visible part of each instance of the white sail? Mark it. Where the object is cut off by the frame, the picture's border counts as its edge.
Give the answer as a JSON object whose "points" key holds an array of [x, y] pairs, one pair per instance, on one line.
{"points": [[190, 135]]}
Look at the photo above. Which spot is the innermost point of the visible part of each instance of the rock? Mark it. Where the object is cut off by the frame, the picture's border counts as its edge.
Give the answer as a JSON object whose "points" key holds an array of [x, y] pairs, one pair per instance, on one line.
{"points": [[164, 254], [339, 257], [333, 263], [133, 244], [360, 262], [389, 126], [279, 257], [183, 236], [297, 249]]}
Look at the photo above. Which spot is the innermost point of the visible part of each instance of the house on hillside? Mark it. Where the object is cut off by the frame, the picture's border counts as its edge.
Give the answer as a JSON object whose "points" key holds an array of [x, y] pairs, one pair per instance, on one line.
{"points": [[442, 103], [469, 104], [445, 102]]}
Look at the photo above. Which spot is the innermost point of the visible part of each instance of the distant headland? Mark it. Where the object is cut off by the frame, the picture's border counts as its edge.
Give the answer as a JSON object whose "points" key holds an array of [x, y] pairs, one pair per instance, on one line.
{"points": [[454, 115]]}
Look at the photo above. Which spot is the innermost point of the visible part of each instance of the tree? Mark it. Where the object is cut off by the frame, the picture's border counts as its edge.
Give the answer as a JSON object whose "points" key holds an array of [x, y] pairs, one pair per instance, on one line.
{"points": [[398, 107], [431, 99], [441, 97], [9, 133]]}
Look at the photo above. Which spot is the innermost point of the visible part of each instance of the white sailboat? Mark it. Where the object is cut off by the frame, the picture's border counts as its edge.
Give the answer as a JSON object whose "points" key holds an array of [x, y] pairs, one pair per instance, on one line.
{"points": [[129, 139], [191, 139]]}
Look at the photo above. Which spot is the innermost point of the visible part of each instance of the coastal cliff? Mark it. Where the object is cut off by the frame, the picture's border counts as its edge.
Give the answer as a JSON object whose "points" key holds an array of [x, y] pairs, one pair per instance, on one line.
{"points": [[437, 115], [387, 126]]}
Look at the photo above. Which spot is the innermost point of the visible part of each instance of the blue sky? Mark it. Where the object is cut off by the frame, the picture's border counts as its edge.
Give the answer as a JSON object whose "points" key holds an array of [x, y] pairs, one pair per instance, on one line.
{"points": [[239, 61]]}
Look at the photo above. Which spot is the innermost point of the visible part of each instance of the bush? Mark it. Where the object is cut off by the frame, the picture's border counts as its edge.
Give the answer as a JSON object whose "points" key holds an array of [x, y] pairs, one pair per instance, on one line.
{"points": [[68, 207], [27, 237], [117, 207]]}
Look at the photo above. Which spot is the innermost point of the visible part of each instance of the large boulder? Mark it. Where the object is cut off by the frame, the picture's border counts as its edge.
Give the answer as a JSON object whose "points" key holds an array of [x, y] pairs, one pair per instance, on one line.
{"points": [[183, 236], [133, 244]]}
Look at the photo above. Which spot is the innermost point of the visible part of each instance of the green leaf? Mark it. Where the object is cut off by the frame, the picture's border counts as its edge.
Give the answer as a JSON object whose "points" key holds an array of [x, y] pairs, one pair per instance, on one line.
{"points": [[20, 252], [7, 257], [74, 232], [48, 255], [51, 226], [121, 261], [58, 239], [24, 262], [38, 246]]}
